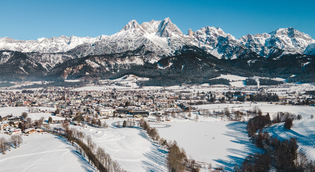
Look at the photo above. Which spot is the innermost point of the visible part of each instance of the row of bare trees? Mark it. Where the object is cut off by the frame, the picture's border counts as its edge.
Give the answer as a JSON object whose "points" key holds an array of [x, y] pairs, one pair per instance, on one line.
{"points": [[127, 123], [279, 155], [177, 160], [15, 140], [87, 147]]}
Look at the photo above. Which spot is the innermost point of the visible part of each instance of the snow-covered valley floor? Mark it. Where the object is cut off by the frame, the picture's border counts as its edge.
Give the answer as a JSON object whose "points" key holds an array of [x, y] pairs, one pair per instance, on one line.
{"points": [[221, 143], [43, 152], [210, 140]]}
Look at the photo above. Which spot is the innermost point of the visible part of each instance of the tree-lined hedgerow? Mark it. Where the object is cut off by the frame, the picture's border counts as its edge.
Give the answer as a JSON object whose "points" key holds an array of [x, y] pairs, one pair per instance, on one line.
{"points": [[96, 155], [177, 160], [256, 123], [279, 155]]}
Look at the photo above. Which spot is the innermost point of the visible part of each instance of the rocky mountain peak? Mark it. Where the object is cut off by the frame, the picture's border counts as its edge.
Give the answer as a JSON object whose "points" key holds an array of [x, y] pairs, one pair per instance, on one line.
{"points": [[133, 24], [212, 32], [168, 29], [291, 33], [151, 27]]}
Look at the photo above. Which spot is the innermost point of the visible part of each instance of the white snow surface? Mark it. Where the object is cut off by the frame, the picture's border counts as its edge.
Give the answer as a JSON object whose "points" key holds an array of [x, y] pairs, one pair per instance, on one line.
{"points": [[310, 50], [131, 147], [232, 77], [221, 143], [37, 116], [45, 45], [17, 111], [43, 152]]}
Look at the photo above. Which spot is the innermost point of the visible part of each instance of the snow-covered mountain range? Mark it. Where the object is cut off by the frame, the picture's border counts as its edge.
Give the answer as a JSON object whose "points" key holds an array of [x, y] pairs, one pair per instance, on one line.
{"points": [[165, 37], [152, 41]]}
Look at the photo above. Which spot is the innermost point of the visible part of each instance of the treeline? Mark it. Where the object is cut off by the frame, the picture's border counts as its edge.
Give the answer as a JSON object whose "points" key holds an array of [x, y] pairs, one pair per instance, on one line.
{"points": [[129, 123], [259, 122], [15, 141], [264, 97], [281, 156], [231, 115], [96, 155], [263, 82], [177, 160], [94, 122]]}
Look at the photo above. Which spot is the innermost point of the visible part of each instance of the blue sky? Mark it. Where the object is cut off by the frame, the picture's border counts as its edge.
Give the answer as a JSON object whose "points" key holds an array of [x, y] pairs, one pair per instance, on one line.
{"points": [[32, 19]]}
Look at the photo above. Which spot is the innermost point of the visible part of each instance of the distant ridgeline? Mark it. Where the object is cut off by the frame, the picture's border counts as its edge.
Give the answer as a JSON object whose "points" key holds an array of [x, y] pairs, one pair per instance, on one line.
{"points": [[160, 51]]}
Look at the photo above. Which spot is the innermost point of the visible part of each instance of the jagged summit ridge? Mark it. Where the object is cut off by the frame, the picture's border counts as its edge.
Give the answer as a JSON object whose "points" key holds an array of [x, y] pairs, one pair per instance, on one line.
{"points": [[290, 40], [45, 45], [165, 38], [168, 29], [133, 24]]}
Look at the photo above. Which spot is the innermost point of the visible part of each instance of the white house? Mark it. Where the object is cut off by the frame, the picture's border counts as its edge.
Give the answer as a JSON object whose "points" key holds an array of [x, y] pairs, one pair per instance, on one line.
{"points": [[106, 112]]}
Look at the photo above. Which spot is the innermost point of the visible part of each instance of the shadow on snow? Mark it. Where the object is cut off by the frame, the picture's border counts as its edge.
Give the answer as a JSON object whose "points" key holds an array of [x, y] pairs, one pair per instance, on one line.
{"points": [[238, 135]]}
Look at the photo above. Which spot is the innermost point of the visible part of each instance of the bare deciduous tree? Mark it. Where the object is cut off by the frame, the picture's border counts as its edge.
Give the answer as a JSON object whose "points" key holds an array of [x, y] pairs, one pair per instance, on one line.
{"points": [[14, 140], [3, 145], [24, 115]]}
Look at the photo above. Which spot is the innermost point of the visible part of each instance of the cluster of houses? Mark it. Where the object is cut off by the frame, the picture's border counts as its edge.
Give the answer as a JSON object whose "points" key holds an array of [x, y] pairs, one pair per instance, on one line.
{"points": [[66, 103], [6, 128]]}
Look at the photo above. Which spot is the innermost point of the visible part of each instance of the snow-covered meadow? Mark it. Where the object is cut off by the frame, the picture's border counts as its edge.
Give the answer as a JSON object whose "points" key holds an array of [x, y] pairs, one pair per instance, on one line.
{"points": [[221, 143], [131, 147], [226, 143], [43, 152], [17, 111]]}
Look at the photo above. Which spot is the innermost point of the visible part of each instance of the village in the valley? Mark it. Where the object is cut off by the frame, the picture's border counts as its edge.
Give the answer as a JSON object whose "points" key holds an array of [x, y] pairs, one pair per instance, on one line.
{"points": [[110, 114]]}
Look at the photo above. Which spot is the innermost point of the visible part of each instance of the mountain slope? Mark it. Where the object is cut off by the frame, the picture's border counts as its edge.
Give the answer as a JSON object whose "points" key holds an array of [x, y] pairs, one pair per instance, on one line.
{"points": [[17, 65], [159, 50]]}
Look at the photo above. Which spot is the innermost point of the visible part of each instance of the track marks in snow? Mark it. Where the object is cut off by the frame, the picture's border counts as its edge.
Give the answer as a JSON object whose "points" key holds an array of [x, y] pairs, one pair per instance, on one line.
{"points": [[131, 147], [44, 153]]}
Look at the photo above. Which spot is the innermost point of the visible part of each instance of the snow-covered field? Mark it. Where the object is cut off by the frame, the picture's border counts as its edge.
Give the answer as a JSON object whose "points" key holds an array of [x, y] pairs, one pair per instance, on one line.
{"points": [[43, 152], [131, 147], [37, 116], [225, 143], [17, 111], [232, 77], [305, 111], [220, 143]]}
